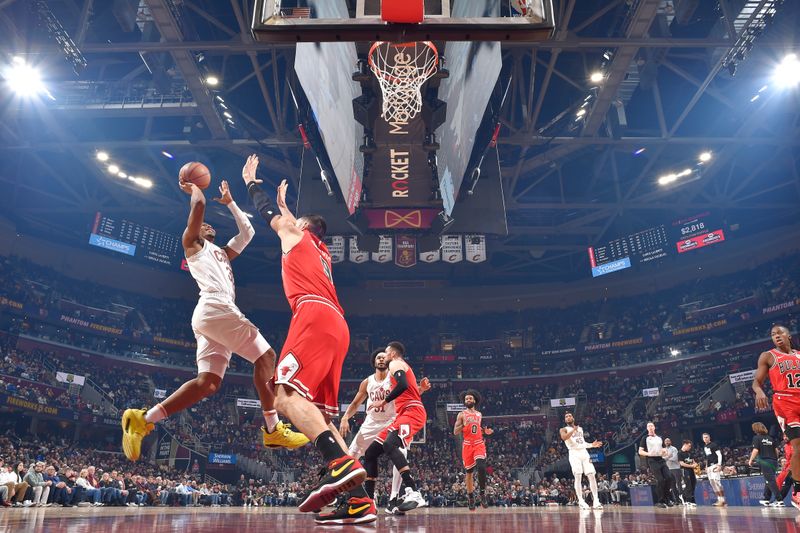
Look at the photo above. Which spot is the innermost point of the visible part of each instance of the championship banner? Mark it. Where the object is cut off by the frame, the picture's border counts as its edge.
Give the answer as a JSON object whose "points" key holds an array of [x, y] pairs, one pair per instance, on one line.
{"points": [[452, 251], [476, 248], [160, 393], [356, 255], [72, 379], [406, 247], [455, 407], [336, 249], [647, 393], [431, 257], [562, 402], [384, 254], [248, 403], [741, 377]]}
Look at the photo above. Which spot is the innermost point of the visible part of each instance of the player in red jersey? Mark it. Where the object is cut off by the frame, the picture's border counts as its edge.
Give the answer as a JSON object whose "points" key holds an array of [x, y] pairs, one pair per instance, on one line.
{"points": [[473, 451], [410, 418], [308, 371], [782, 365]]}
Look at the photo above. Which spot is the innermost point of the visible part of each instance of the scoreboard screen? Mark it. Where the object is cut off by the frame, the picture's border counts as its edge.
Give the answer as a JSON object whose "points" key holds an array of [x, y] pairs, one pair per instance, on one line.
{"points": [[136, 240], [681, 236]]}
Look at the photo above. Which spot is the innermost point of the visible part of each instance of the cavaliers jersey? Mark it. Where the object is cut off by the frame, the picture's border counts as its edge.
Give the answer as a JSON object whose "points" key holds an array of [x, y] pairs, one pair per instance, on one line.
{"points": [[307, 274], [211, 269], [377, 391], [576, 444], [409, 397], [472, 432], [785, 372]]}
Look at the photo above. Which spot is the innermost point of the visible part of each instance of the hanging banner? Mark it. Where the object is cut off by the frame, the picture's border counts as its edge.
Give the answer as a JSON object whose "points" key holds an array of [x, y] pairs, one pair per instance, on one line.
{"points": [[455, 407], [476, 248], [431, 257], [160, 393], [406, 247], [384, 254], [336, 249], [452, 250], [248, 403], [72, 379], [356, 255], [562, 402], [650, 392], [739, 377]]}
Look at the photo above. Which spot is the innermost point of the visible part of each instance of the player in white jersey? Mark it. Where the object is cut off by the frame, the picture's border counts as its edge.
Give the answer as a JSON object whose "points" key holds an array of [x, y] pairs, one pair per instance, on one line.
{"points": [[579, 460], [220, 329], [373, 389]]}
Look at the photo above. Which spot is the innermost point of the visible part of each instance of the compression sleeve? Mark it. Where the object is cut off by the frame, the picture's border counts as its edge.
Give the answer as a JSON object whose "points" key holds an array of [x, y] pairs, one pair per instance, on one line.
{"points": [[246, 231], [402, 385], [261, 201]]}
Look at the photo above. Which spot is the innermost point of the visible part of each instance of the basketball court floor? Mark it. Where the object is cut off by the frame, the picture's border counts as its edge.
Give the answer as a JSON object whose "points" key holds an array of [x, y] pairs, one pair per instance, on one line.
{"points": [[258, 520]]}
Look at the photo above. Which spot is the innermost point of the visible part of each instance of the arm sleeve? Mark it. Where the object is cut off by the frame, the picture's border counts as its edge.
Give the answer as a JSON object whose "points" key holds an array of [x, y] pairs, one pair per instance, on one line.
{"points": [[719, 457], [246, 231], [402, 385], [261, 201]]}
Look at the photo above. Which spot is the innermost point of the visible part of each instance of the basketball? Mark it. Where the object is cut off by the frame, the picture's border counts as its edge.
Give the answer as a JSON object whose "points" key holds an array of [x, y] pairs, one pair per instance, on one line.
{"points": [[196, 173]]}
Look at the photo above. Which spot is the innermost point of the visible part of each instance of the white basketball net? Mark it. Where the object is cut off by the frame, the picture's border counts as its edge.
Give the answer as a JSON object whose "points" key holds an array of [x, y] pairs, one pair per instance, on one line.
{"points": [[402, 69]]}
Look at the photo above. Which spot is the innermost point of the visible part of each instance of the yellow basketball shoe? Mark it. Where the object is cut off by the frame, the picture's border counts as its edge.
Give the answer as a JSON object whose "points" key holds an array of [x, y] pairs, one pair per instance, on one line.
{"points": [[283, 437], [134, 430]]}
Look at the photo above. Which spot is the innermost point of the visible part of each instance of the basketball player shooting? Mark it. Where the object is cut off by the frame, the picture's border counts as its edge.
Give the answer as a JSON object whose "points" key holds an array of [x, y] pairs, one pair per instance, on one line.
{"points": [[580, 461], [473, 451], [374, 388], [219, 327], [782, 365], [310, 365]]}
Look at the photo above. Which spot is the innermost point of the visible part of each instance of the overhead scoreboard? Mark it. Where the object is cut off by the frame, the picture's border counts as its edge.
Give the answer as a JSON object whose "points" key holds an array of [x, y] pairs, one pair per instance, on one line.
{"points": [[681, 236], [136, 240]]}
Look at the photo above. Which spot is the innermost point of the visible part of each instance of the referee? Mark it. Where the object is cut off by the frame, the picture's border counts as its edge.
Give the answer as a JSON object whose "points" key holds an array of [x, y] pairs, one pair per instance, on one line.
{"points": [[766, 455], [652, 449]]}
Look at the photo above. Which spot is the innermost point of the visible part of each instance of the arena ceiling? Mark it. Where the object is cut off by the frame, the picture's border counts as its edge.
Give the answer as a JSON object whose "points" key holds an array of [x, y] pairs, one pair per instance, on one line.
{"points": [[569, 183]]}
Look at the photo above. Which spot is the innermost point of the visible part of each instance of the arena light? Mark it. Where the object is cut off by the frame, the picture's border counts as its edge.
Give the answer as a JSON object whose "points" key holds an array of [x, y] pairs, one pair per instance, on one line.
{"points": [[787, 73], [122, 174], [667, 179], [114, 169], [704, 157], [227, 115], [580, 113], [596, 77], [167, 154], [640, 151], [248, 214], [142, 182], [24, 79], [212, 80], [674, 352], [102, 156]]}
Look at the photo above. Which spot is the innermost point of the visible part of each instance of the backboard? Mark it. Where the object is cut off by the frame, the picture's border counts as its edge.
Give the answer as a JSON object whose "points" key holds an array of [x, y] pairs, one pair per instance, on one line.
{"points": [[444, 20]]}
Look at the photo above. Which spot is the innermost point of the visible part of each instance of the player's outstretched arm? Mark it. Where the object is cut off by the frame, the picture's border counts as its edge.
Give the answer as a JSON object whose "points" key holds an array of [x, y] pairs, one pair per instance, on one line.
{"points": [[361, 395], [765, 361], [246, 232], [197, 210]]}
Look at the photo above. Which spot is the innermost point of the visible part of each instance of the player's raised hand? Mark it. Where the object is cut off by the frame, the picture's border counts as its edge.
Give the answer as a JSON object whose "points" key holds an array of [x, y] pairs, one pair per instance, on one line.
{"points": [[424, 385], [344, 427], [597, 444], [249, 170], [282, 194], [225, 194], [488, 431], [187, 187]]}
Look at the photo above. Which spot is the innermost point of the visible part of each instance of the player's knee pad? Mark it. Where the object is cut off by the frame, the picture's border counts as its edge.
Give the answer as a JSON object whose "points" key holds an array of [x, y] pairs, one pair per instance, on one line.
{"points": [[480, 464], [392, 446]]}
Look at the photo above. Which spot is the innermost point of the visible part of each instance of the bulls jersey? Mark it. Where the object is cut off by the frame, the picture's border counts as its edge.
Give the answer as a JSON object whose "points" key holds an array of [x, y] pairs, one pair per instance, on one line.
{"points": [[211, 269], [785, 372], [472, 432], [409, 397], [376, 391], [307, 274], [576, 443]]}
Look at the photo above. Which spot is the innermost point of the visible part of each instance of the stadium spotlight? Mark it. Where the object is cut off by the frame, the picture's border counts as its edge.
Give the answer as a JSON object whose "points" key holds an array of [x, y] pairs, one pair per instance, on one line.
{"points": [[787, 73], [212, 80], [704, 157], [114, 169], [674, 352], [167, 154], [122, 175], [580, 113], [227, 115], [596, 77], [24, 79], [667, 179], [102, 156]]}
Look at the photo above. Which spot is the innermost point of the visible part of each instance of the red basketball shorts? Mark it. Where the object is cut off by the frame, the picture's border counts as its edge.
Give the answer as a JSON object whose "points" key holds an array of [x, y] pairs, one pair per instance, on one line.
{"points": [[472, 452], [787, 410], [313, 354], [407, 424]]}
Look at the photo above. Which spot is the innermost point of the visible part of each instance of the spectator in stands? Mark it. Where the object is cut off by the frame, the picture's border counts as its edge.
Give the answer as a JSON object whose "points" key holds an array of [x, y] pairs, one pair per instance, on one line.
{"points": [[90, 494], [40, 487]]}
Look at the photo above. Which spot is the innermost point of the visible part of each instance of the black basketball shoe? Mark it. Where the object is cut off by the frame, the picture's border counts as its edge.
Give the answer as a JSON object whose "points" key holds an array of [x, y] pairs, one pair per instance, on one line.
{"points": [[341, 475], [351, 511]]}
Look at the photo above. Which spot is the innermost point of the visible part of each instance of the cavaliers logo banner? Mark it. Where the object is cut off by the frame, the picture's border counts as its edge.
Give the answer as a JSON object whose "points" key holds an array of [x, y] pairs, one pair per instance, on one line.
{"points": [[452, 249], [356, 255], [431, 257], [336, 249], [476, 248], [384, 254], [406, 251]]}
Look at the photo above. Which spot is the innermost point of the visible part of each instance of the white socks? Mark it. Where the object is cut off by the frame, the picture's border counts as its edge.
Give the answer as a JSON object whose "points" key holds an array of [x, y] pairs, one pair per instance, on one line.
{"points": [[156, 413], [271, 420]]}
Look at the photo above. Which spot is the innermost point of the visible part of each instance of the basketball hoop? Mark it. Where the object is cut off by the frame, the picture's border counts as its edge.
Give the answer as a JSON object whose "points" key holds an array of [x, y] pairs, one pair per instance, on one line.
{"points": [[402, 69]]}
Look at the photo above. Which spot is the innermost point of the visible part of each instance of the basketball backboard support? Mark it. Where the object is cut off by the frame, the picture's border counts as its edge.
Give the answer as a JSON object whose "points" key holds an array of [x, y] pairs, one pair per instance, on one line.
{"points": [[305, 21]]}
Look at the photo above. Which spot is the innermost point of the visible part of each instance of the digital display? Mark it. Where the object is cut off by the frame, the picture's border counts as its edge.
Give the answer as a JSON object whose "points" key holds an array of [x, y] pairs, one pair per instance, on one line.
{"points": [[134, 239], [683, 235]]}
